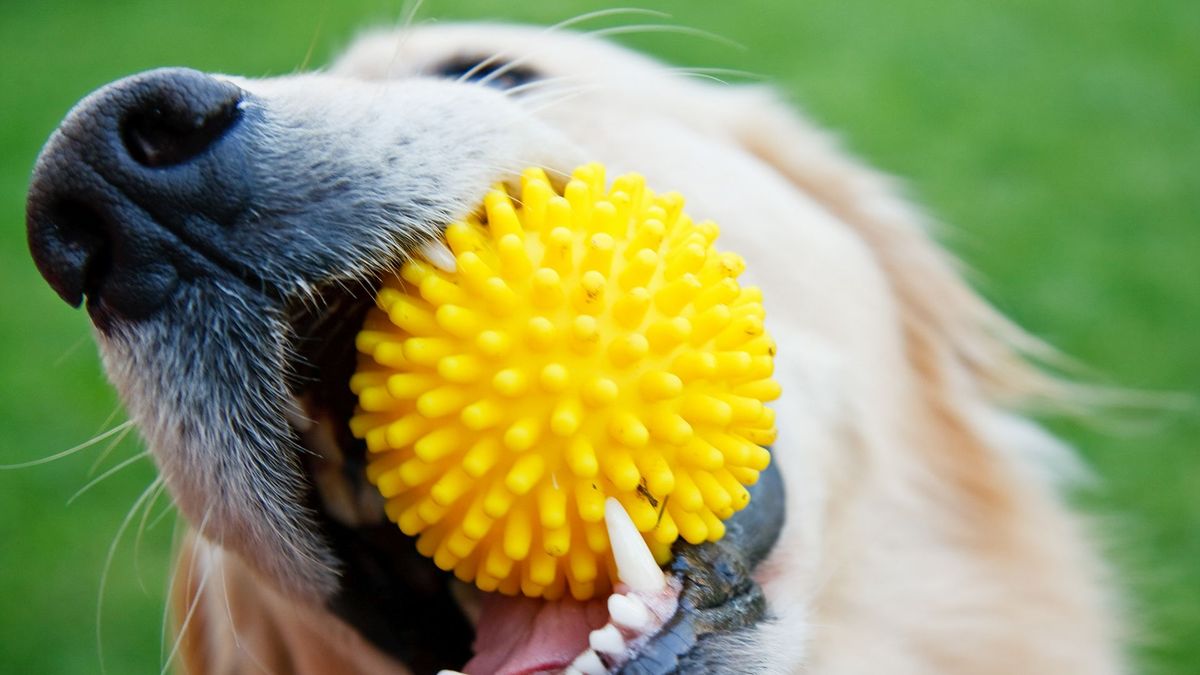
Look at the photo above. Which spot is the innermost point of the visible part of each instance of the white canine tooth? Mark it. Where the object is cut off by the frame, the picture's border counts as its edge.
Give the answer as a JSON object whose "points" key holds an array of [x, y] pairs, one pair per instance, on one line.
{"points": [[607, 640], [589, 664], [572, 670], [439, 256], [450, 672], [628, 611], [635, 563]]}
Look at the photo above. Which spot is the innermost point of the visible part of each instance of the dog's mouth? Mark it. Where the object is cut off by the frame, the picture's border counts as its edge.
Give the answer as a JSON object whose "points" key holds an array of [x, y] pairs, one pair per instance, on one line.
{"points": [[395, 597], [202, 280]]}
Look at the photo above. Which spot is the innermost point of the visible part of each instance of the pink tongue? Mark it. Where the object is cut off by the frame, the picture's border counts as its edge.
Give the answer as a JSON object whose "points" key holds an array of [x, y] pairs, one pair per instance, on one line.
{"points": [[519, 635]]}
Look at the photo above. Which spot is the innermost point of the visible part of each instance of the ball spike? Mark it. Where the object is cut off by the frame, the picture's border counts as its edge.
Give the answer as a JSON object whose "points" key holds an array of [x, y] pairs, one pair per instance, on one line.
{"points": [[481, 457], [441, 401], [461, 237], [501, 216], [598, 255], [515, 264], [547, 290], [581, 457], [552, 506], [578, 195]]}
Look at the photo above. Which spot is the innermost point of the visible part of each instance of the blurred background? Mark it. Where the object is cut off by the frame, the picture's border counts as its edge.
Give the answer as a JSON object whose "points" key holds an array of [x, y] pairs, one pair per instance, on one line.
{"points": [[1059, 141]]}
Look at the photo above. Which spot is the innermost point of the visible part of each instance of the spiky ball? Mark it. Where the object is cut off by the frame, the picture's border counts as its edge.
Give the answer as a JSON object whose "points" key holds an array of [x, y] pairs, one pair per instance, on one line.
{"points": [[589, 344]]}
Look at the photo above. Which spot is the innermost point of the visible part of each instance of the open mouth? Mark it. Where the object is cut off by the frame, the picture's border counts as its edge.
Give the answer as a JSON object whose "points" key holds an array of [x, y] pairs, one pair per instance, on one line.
{"points": [[191, 382], [399, 599]]}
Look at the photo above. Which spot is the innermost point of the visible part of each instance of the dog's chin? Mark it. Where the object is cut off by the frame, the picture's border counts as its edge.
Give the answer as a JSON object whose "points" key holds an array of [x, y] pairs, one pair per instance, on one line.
{"points": [[205, 381]]}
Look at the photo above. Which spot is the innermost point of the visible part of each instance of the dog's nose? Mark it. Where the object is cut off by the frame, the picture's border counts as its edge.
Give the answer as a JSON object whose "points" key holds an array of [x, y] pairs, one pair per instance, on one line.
{"points": [[103, 212]]}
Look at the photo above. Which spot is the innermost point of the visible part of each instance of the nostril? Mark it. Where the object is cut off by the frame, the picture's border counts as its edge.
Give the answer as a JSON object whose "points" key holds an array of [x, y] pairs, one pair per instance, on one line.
{"points": [[122, 266], [90, 232], [159, 134], [71, 247]]}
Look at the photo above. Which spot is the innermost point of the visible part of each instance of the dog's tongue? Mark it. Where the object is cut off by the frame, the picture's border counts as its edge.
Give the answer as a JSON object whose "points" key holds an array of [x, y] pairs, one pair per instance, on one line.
{"points": [[519, 635]]}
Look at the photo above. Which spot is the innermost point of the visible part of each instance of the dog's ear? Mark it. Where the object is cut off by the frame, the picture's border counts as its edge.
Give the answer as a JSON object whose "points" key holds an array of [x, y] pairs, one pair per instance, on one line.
{"points": [[950, 330]]}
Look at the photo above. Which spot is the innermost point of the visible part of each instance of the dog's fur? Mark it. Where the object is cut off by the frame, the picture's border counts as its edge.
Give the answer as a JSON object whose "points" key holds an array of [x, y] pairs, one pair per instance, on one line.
{"points": [[924, 533]]}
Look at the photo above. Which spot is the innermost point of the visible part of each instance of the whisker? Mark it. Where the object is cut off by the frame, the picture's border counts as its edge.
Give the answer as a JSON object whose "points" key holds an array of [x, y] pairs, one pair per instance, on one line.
{"points": [[108, 450], [694, 72], [565, 96], [538, 84], [137, 540], [176, 546], [635, 29], [167, 510], [83, 339], [237, 640], [575, 20], [113, 471], [703, 76], [312, 44], [187, 581], [604, 32], [70, 451], [733, 72], [187, 618], [408, 13], [112, 551], [577, 89]]}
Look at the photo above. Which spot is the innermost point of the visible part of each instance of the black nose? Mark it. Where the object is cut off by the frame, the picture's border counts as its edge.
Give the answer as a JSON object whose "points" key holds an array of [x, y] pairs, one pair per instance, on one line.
{"points": [[103, 212]]}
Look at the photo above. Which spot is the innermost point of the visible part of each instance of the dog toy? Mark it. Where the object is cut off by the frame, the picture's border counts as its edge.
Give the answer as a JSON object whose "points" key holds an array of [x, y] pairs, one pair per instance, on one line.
{"points": [[580, 346]]}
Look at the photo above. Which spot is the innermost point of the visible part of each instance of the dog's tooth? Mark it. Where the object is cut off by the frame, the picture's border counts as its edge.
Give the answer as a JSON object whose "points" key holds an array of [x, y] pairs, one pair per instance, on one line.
{"points": [[589, 664], [628, 611], [439, 256], [635, 563], [607, 640], [450, 672]]}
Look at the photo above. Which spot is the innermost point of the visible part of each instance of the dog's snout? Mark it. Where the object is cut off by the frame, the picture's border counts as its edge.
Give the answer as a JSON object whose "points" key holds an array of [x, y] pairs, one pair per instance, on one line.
{"points": [[115, 182]]}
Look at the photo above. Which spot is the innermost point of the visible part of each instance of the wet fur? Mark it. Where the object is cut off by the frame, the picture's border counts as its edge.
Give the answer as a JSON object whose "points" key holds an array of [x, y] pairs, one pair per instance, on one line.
{"points": [[923, 535]]}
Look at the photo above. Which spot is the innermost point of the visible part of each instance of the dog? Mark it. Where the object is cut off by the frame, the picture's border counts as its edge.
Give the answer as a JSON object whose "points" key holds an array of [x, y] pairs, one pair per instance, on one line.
{"points": [[227, 235]]}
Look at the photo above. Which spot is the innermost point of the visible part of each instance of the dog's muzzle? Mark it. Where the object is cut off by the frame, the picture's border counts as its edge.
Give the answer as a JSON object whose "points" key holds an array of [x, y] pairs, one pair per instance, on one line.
{"points": [[128, 196]]}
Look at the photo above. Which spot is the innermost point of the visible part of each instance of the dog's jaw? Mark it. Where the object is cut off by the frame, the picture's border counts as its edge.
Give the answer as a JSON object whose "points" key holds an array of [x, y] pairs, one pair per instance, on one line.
{"points": [[221, 440]]}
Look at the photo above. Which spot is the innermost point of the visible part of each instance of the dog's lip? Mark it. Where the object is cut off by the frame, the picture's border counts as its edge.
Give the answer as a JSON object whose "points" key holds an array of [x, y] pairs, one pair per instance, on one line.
{"points": [[381, 574]]}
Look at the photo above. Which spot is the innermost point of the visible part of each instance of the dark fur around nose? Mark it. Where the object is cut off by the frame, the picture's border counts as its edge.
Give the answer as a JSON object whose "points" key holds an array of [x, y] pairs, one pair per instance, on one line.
{"points": [[127, 192]]}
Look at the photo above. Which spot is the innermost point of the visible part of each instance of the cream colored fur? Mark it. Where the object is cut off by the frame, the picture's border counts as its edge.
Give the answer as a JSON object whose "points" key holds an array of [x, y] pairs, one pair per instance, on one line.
{"points": [[922, 536]]}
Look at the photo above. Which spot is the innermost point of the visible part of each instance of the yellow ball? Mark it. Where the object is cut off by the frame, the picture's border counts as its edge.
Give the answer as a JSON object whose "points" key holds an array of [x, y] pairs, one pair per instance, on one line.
{"points": [[589, 344]]}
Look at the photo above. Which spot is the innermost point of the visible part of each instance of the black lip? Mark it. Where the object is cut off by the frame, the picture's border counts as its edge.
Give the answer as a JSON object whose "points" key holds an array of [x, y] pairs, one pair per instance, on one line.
{"points": [[397, 599], [393, 596], [719, 596]]}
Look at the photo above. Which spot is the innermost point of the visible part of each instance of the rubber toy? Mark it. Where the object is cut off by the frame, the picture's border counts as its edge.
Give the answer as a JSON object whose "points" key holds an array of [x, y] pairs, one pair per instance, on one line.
{"points": [[581, 344]]}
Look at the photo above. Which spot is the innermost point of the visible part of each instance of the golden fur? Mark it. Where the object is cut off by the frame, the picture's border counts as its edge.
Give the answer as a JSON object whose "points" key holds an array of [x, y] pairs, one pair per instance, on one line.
{"points": [[924, 534]]}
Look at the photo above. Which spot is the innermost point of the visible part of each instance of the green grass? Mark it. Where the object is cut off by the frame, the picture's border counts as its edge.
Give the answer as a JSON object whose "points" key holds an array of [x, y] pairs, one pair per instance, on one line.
{"points": [[1059, 140]]}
